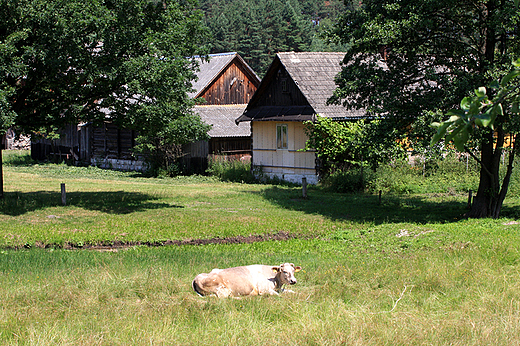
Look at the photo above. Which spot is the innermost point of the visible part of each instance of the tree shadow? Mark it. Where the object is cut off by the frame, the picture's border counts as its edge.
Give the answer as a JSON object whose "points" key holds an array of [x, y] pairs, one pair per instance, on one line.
{"points": [[113, 202], [367, 207]]}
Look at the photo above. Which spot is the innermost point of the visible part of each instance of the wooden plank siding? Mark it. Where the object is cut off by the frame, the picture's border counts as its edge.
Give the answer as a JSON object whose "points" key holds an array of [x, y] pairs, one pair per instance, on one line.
{"points": [[286, 162], [232, 86], [111, 142], [282, 91]]}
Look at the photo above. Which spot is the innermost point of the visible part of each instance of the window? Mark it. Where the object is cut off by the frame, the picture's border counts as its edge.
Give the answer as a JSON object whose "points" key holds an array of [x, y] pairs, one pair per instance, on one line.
{"points": [[281, 136], [284, 85]]}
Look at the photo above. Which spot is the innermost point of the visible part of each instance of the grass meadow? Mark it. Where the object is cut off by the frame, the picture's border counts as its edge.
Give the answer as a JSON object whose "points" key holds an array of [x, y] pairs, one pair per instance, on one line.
{"points": [[408, 270]]}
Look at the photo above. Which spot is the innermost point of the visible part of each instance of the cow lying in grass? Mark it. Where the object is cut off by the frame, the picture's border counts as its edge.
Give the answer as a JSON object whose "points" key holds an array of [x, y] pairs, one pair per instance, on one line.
{"points": [[249, 280]]}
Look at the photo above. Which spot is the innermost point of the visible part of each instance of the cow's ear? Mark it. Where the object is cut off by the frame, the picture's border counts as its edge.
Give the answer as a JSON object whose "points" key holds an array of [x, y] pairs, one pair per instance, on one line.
{"points": [[275, 269], [297, 269]]}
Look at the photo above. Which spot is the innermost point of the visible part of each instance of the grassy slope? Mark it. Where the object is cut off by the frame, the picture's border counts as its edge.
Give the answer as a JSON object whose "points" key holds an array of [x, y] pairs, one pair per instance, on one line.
{"points": [[404, 272]]}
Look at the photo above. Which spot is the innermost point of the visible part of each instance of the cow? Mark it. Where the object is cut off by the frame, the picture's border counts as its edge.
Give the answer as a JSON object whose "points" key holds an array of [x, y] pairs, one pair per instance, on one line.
{"points": [[251, 280]]}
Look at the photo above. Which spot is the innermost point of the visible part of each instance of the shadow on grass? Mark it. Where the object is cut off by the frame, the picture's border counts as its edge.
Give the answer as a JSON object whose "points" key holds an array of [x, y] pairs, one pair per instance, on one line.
{"points": [[366, 207], [114, 202]]}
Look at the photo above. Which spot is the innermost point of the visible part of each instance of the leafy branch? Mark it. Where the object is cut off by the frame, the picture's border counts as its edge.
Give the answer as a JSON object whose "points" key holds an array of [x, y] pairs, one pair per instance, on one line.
{"points": [[480, 110]]}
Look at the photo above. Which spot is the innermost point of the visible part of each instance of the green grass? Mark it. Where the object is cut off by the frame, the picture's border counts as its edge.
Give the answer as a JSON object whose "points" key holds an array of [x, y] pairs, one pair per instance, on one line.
{"points": [[408, 271]]}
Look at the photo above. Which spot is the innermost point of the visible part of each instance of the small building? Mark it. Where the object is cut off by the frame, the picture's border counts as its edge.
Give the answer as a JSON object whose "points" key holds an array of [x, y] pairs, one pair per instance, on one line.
{"points": [[294, 90]]}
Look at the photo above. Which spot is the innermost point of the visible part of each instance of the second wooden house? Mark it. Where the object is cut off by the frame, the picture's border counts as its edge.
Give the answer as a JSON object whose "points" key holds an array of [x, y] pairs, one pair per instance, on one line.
{"points": [[294, 90]]}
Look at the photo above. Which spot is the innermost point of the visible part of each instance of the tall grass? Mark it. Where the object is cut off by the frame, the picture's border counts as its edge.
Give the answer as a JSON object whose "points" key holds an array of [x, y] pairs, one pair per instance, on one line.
{"points": [[453, 175], [457, 294], [232, 170]]}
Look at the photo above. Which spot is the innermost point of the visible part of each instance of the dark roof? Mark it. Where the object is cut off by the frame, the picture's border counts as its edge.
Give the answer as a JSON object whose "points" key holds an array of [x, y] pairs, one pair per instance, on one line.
{"points": [[222, 118], [210, 70], [314, 74]]}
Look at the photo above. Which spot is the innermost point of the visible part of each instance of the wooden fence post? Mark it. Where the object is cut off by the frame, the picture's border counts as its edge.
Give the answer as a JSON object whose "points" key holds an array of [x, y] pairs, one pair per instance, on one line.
{"points": [[63, 195], [304, 187]]}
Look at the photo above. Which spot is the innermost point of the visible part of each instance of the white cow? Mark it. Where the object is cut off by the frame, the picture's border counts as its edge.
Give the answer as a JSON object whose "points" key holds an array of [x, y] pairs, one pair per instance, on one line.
{"points": [[249, 280]]}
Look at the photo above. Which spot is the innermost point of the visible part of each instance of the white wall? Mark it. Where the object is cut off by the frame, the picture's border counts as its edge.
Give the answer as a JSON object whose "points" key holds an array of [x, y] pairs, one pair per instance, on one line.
{"points": [[286, 164]]}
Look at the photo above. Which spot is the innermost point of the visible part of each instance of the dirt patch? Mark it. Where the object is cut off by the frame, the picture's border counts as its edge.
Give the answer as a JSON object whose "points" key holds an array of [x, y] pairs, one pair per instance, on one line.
{"points": [[117, 244]]}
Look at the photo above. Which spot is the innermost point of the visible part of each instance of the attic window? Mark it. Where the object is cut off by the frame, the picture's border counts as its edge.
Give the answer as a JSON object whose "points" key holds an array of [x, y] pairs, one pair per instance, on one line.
{"points": [[283, 82], [281, 136]]}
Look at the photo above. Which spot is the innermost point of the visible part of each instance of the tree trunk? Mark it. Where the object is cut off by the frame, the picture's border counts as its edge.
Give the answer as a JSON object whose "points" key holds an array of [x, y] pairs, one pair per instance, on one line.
{"points": [[490, 195]]}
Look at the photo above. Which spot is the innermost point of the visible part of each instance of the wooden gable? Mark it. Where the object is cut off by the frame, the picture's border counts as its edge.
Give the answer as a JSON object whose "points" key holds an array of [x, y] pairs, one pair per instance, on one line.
{"points": [[296, 88], [281, 91], [235, 83]]}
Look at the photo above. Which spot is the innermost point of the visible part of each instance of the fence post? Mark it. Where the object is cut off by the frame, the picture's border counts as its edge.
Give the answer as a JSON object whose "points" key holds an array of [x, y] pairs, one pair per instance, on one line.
{"points": [[470, 198], [304, 187], [63, 195], [380, 192]]}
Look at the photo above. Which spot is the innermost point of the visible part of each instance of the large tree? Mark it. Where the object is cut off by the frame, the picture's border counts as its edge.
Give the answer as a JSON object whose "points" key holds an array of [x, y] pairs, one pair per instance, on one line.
{"points": [[66, 61], [411, 60]]}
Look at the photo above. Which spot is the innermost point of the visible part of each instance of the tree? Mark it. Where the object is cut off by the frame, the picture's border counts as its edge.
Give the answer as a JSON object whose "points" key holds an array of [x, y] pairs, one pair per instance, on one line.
{"points": [[414, 59], [67, 61], [481, 112], [257, 30]]}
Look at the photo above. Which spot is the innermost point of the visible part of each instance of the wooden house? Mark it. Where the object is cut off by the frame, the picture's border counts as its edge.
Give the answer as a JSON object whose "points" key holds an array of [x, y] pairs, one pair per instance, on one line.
{"points": [[295, 89], [224, 85]]}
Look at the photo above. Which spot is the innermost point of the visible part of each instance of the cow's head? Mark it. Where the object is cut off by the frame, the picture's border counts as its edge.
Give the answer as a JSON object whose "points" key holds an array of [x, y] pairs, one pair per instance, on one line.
{"points": [[285, 272]]}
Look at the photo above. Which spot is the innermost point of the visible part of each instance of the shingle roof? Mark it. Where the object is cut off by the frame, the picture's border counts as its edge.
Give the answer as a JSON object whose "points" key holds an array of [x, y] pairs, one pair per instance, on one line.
{"points": [[314, 73], [223, 120]]}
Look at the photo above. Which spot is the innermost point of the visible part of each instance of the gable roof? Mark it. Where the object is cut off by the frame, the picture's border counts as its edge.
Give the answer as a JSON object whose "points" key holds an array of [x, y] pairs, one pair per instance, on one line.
{"points": [[314, 73], [209, 71], [222, 118]]}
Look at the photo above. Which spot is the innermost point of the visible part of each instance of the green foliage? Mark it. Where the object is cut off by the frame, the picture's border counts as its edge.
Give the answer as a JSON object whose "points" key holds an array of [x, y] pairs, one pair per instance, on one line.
{"points": [[341, 145], [346, 181], [482, 111], [71, 61], [451, 175]]}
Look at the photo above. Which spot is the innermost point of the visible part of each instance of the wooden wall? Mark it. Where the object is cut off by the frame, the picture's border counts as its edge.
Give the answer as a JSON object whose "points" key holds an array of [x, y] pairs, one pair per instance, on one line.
{"points": [[233, 86], [282, 91], [110, 142], [288, 164]]}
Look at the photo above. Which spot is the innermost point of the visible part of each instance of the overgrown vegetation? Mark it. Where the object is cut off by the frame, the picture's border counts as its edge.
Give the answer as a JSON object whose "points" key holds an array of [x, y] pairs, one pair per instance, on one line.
{"points": [[232, 170], [452, 174]]}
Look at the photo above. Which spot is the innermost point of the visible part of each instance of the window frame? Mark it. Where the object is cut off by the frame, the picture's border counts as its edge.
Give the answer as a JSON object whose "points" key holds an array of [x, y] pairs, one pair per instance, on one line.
{"points": [[282, 136]]}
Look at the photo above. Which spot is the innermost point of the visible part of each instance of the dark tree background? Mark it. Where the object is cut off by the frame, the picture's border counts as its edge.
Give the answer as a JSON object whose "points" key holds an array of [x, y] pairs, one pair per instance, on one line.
{"points": [[257, 30]]}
